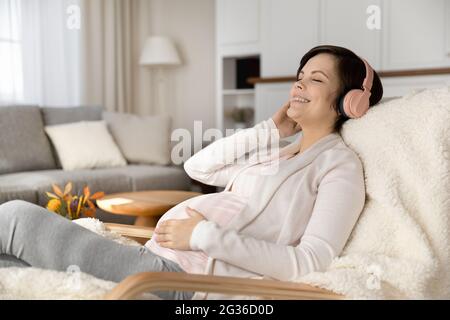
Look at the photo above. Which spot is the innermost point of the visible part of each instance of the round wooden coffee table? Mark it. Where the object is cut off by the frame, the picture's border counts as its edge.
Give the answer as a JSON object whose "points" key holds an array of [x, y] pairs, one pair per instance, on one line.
{"points": [[148, 206]]}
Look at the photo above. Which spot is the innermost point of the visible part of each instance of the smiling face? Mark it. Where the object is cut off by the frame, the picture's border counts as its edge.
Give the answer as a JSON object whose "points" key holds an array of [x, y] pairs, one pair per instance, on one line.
{"points": [[315, 92]]}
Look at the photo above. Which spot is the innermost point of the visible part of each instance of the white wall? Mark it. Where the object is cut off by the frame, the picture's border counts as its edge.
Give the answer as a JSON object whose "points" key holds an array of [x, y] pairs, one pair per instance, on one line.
{"points": [[191, 25]]}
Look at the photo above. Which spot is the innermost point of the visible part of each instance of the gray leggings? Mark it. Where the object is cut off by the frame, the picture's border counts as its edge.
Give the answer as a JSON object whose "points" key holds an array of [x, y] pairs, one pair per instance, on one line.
{"points": [[33, 236]]}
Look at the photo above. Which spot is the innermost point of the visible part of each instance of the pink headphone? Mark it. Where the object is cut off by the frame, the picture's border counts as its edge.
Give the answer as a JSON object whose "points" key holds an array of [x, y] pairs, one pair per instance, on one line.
{"points": [[355, 103]]}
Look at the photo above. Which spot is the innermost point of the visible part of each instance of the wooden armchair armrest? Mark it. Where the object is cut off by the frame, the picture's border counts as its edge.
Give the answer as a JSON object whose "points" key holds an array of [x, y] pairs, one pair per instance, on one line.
{"points": [[136, 284], [138, 233]]}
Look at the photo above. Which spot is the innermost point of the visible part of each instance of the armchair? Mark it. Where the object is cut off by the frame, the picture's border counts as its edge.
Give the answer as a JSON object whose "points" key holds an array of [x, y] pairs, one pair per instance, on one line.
{"points": [[399, 247], [134, 285]]}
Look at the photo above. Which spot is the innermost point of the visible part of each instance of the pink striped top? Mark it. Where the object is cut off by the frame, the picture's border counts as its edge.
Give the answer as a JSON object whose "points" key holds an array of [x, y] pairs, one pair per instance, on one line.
{"points": [[218, 207]]}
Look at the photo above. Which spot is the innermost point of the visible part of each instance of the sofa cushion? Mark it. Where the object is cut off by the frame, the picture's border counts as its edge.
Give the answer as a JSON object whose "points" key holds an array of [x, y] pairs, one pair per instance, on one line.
{"points": [[142, 139], [32, 185], [60, 115], [23, 143], [15, 191], [153, 177], [22, 185], [85, 145], [53, 116]]}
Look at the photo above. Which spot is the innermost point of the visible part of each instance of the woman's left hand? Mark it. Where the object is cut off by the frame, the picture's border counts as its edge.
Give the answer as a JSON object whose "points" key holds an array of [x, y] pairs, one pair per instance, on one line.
{"points": [[176, 233]]}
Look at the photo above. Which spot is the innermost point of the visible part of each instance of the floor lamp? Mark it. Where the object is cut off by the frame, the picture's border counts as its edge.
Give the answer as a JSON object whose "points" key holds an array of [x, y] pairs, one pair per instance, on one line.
{"points": [[160, 52]]}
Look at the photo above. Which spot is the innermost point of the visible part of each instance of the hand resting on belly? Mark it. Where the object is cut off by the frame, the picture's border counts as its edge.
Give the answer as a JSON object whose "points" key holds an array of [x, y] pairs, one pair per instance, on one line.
{"points": [[219, 207]]}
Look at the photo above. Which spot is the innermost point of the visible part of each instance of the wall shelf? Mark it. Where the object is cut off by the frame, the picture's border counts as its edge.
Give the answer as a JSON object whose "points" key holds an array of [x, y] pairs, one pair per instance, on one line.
{"points": [[238, 91], [235, 91]]}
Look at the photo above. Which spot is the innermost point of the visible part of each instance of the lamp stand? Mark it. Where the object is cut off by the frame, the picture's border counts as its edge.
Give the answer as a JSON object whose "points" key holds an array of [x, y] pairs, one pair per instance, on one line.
{"points": [[161, 91]]}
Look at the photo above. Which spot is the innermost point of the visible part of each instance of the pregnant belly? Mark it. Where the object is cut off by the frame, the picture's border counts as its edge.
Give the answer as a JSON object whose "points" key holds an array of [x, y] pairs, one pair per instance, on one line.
{"points": [[217, 207]]}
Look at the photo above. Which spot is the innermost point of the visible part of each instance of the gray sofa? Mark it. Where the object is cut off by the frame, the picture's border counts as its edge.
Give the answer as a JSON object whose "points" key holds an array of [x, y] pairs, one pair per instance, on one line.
{"points": [[29, 165]]}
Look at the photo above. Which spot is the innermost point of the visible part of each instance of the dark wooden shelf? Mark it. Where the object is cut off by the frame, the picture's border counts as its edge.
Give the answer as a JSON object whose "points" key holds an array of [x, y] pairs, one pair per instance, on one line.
{"points": [[382, 74]]}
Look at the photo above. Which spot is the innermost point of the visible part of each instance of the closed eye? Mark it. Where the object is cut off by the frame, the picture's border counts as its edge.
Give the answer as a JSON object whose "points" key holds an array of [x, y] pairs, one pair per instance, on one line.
{"points": [[312, 80]]}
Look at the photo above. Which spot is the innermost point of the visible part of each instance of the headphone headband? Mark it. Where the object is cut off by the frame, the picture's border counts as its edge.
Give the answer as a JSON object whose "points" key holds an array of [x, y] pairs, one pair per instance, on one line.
{"points": [[368, 80]]}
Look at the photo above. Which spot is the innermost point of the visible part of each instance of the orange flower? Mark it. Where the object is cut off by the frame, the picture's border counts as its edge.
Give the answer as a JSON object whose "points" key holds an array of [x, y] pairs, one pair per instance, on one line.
{"points": [[72, 207], [87, 200], [54, 205]]}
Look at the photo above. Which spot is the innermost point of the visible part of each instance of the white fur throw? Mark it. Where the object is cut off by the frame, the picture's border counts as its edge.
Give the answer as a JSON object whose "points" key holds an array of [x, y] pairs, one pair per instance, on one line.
{"points": [[34, 283], [400, 245]]}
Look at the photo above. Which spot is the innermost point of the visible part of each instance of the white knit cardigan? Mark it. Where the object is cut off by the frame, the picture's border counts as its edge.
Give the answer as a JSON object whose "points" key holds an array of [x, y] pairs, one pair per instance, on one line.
{"points": [[325, 188]]}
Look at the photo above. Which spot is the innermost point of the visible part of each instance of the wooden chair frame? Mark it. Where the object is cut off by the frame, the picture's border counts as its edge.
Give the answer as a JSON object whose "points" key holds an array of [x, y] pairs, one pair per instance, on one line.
{"points": [[137, 284]]}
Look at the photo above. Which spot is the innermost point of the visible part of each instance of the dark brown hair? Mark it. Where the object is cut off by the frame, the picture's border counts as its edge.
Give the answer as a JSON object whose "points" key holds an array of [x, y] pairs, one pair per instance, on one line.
{"points": [[351, 70]]}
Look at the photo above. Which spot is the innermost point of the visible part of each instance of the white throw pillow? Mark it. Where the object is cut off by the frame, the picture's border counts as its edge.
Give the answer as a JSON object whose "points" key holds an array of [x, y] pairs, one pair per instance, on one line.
{"points": [[142, 139], [85, 145]]}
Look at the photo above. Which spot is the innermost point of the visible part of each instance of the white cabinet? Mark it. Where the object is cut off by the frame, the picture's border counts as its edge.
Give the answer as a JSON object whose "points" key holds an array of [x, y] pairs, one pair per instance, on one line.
{"points": [[269, 98], [416, 34], [344, 23], [413, 34], [447, 29], [288, 31], [238, 26], [399, 86]]}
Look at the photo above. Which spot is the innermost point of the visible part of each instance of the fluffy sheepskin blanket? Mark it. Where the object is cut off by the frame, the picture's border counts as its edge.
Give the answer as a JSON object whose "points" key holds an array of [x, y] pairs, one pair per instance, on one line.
{"points": [[34, 283], [400, 247]]}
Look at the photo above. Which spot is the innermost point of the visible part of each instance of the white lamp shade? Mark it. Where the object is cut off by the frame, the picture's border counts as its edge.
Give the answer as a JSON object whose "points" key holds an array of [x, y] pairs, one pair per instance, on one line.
{"points": [[159, 51]]}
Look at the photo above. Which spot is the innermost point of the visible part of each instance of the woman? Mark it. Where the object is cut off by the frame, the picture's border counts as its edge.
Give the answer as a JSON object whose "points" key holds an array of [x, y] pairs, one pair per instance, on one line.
{"points": [[297, 219]]}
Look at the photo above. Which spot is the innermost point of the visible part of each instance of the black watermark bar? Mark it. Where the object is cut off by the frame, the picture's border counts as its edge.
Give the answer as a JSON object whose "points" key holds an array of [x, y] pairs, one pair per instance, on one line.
{"points": [[224, 309]]}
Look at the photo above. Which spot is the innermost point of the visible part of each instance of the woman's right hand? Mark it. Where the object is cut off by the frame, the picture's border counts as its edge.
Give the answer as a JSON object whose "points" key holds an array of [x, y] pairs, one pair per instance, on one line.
{"points": [[286, 126]]}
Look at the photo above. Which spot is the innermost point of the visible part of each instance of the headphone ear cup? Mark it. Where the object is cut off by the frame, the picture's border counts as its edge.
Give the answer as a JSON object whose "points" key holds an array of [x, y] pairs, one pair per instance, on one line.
{"points": [[356, 103]]}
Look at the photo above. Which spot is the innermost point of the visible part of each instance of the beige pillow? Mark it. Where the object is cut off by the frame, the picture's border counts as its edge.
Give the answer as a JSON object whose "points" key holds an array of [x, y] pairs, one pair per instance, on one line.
{"points": [[85, 145], [142, 139]]}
